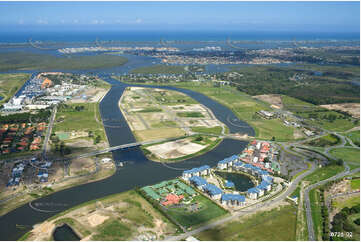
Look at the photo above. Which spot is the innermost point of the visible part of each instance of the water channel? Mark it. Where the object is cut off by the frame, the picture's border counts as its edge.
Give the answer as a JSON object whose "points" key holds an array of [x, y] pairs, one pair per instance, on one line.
{"points": [[139, 171]]}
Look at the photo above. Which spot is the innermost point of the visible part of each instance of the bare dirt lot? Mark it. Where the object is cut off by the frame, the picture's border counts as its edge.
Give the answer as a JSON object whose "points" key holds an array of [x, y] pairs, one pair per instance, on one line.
{"points": [[175, 149], [93, 95], [352, 108], [273, 99]]}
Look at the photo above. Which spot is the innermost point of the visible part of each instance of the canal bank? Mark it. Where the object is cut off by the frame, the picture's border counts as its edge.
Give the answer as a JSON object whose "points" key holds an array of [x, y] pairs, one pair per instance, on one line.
{"points": [[138, 171]]}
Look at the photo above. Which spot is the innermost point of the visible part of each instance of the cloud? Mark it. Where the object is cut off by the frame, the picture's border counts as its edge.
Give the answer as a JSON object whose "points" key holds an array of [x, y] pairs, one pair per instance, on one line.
{"points": [[20, 21], [139, 21], [96, 21], [42, 21]]}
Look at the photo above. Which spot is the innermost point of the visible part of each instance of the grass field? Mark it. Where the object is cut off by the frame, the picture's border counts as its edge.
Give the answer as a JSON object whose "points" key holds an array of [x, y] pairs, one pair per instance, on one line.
{"points": [[355, 184], [9, 84], [277, 224], [159, 69], [328, 140], [318, 114], [190, 114], [209, 210], [214, 130], [161, 133], [323, 173], [245, 107], [316, 212], [126, 213], [68, 119], [349, 155], [354, 136], [349, 202], [31, 61]]}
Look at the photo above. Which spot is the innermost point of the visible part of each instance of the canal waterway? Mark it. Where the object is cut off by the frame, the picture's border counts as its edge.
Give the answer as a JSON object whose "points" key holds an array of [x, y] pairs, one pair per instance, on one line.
{"points": [[138, 171]]}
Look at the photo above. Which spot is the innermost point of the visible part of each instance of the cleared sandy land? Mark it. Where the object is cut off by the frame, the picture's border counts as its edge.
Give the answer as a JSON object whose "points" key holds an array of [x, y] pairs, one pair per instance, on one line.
{"points": [[273, 99], [152, 113], [92, 95], [175, 149], [351, 108]]}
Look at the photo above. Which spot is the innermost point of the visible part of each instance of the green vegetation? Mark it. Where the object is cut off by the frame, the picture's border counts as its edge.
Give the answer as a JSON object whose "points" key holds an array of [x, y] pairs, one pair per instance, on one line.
{"points": [[277, 224], [214, 130], [208, 211], [10, 84], [245, 107], [159, 69], [355, 183], [75, 225], [349, 202], [31, 61], [328, 140], [190, 114], [347, 220], [80, 117], [323, 173], [318, 116], [354, 136], [150, 110], [112, 230], [349, 155], [331, 87], [39, 116], [316, 212]]}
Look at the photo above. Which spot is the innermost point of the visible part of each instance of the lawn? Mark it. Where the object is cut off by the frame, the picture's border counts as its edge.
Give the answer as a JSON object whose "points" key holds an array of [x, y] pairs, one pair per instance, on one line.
{"points": [[9, 84], [190, 114], [349, 155], [214, 130], [278, 224], [209, 210], [316, 212], [355, 184], [327, 140], [350, 202], [68, 119], [323, 173], [355, 137]]}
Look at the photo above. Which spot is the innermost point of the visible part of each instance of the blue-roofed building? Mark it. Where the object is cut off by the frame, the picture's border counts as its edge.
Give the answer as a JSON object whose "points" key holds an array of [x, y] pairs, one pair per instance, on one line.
{"points": [[261, 190], [253, 193], [266, 185], [229, 184], [267, 179], [227, 162], [203, 170], [238, 165], [198, 181], [233, 199], [213, 191]]}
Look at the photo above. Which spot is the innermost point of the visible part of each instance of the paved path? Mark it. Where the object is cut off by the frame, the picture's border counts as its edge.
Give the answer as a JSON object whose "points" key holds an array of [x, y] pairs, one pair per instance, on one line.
{"points": [[48, 132]]}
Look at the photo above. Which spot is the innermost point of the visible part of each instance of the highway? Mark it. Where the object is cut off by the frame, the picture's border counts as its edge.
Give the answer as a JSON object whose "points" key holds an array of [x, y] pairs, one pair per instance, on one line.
{"points": [[48, 132]]}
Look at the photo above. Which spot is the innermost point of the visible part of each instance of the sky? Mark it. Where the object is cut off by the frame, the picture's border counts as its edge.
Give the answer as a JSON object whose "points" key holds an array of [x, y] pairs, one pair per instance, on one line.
{"points": [[241, 16]]}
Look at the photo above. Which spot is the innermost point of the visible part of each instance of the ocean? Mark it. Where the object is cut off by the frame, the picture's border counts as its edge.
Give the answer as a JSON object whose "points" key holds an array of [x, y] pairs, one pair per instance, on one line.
{"points": [[146, 35]]}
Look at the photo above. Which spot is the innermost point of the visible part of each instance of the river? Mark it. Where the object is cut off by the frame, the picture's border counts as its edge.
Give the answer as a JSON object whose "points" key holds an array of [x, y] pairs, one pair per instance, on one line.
{"points": [[138, 171]]}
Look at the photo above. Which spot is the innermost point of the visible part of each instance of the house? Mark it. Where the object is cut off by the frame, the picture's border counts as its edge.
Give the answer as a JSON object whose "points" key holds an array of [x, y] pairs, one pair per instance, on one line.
{"points": [[238, 165], [198, 181], [266, 114], [261, 190], [227, 162], [266, 185], [252, 193], [203, 170], [172, 199], [233, 199], [229, 184], [106, 160], [213, 191]]}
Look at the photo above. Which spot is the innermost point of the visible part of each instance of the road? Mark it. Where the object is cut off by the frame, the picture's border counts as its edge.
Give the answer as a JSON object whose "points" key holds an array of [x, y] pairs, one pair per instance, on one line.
{"points": [[48, 132], [310, 226], [293, 185]]}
